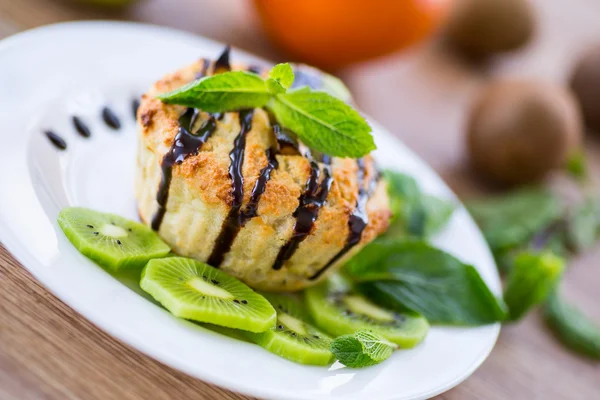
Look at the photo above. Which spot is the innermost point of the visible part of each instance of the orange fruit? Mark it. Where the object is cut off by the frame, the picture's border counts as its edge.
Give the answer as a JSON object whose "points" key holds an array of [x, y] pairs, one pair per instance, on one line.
{"points": [[334, 33]]}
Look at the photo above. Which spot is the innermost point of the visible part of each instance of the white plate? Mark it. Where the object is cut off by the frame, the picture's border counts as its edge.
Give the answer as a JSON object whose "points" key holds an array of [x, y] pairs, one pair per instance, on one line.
{"points": [[50, 73]]}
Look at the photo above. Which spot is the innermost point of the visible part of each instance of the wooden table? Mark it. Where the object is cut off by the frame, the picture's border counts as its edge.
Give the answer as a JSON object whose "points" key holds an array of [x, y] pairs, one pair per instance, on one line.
{"points": [[47, 351]]}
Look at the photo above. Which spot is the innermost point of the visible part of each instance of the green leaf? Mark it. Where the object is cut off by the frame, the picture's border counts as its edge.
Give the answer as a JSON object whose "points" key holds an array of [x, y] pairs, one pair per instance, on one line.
{"points": [[274, 87], [314, 78], [362, 349], [577, 165], [280, 78], [335, 87], [414, 213], [401, 189], [411, 274], [512, 220], [228, 91], [532, 277], [573, 328], [583, 225], [438, 212], [324, 123]]}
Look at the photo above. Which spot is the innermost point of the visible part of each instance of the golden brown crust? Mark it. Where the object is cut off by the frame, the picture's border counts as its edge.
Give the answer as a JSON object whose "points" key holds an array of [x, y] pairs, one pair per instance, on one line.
{"points": [[200, 195]]}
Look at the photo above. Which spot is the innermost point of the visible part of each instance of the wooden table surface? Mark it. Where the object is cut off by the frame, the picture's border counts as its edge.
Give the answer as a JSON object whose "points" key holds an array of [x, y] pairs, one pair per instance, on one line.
{"points": [[47, 351]]}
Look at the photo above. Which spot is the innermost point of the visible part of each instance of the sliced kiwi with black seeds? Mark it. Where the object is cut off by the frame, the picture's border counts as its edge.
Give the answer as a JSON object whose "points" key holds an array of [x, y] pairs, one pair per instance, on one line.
{"points": [[196, 291], [293, 337], [110, 240], [341, 311]]}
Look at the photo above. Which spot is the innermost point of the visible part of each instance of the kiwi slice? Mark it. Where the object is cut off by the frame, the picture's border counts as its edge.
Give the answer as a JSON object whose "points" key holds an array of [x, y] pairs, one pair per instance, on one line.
{"points": [[293, 338], [342, 310], [112, 241], [193, 290]]}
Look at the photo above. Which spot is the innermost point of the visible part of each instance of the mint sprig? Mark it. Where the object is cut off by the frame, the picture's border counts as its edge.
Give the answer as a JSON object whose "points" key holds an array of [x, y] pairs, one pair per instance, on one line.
{"points": [[362, 349], [281, 78], [227, 91], [532, 277], [321, 121]]}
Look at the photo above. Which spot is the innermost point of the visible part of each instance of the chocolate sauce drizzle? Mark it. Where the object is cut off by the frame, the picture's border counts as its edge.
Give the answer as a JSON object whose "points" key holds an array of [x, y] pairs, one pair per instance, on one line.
{"points": [[110, 118], [184, 145], [81, 127], [231, 225], [311, 202], [251, 209], [135, 105], [56, 140], [358, 219], [222, 64], [287, 144], [255, 69], [205, 65]]}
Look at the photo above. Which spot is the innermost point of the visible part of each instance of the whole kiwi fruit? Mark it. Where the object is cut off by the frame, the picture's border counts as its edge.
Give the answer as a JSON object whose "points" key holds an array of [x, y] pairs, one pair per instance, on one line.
{"points": [[585, 82], [483, 27], [518, 131]]}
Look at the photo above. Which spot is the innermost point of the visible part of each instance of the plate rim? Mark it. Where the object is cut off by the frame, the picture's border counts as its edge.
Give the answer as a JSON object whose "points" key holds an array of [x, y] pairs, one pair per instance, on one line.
{"points": [[19, 252]]}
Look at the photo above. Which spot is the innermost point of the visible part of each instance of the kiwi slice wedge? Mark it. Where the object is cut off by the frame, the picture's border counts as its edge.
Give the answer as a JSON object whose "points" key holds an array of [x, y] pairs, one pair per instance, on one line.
{"points": [[341, 310], [293, 337], [110, 240], [196, 291]]}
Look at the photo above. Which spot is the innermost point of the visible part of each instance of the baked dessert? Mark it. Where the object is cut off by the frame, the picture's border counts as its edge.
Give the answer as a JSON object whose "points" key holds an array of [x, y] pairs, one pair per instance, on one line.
{"points": [[237, 191]]}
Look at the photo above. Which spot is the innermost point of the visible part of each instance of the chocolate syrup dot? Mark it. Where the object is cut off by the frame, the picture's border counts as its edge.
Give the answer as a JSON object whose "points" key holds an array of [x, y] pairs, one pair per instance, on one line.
{"points": [[56, 140]]}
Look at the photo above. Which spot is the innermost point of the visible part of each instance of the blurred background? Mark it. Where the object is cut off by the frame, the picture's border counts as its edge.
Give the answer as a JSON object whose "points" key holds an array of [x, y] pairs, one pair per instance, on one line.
{"points": [[491, 93]]}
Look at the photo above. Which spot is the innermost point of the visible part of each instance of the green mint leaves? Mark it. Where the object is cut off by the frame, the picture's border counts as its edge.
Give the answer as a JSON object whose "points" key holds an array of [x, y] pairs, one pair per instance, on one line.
{"points": [[222, 92], [415, 213], [409, 274], [362, 349], [572, 327], [321, 121], [532, 277], [513, 219], [281, 77]]}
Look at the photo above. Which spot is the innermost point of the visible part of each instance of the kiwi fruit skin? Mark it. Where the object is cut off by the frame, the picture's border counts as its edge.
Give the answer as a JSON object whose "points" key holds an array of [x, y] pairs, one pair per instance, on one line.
{"points": [[479, 28], [196, 291], [131, 245], [519, 131], [332, 312], [293, 337], [585, 83]]}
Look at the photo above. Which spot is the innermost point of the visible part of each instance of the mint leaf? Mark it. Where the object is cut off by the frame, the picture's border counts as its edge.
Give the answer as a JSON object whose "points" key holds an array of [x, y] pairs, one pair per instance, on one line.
{"points": [[413, 212], [316, 79], [281, 77], [573, 328], [513, 219], [228, 91], [583, 225], [577, 165], [324, 123], [362, 349], [335, 87], [411, 274], [321, 121], [438, 212], [402, 189], [532, 277], [274, 87]]}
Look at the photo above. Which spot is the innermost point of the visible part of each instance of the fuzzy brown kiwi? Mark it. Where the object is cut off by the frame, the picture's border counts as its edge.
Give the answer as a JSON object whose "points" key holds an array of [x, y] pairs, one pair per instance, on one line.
{"points": [[482, 27], [585, 83], [518, 131]]}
